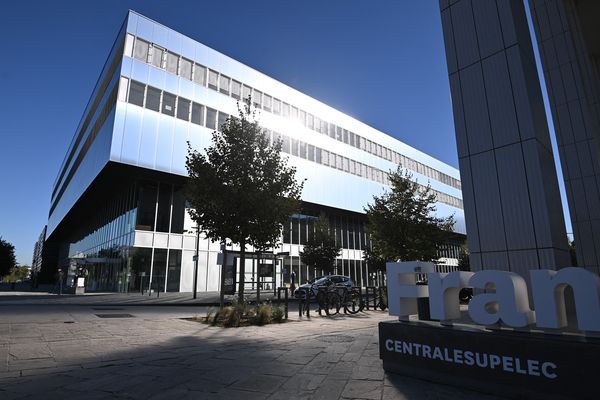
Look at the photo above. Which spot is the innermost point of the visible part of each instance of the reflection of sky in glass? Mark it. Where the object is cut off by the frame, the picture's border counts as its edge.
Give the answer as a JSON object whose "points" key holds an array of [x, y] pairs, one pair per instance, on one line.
{"points": [[561, 182]]}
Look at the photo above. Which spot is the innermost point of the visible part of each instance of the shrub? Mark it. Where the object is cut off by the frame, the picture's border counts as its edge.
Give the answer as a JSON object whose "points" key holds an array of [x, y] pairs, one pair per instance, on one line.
{"points": [[277, 314], [209, 315], [229, 317], [263, 314]]}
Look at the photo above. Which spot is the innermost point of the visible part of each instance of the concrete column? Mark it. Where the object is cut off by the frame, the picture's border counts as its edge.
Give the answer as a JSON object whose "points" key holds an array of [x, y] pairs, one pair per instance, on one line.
{"points": [[568, 38], [510, 191]]}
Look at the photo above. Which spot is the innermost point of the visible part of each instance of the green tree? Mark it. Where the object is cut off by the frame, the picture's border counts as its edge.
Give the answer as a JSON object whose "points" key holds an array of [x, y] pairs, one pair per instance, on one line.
{"points": [[374, 259], [17, 273], [572, 252], [402, 222], [463, 258], [241, 189], [320, 250], [7, 257]]}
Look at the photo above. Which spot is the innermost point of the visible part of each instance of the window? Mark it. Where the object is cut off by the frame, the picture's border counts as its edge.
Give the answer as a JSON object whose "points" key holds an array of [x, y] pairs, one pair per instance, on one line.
{"points": [[285, 110], [168, 106], [222, 119], [332, 131], [285, 144], [146, 206], [276, 106], [302, 152], [157, 56], [136, 93], [338, 133], [294, 113], [200, 74], [295, 147], [267, 100], [211, 118], [346, 164], [236, 89], [352, 139], [257, 99], [311, 152], [310, 121], [338, 162], [224, 84], [246, 92], [153, 98], [123, 82], [172, 61], [183, 109], [325, 156], [275, 139], [163, 215], [213, 78], [346, 137], [332, 160], [129, 45], [324, 127], [140, 50], [318, 155], [318, 124], [185, 69], [197, 114], [302, 117]]}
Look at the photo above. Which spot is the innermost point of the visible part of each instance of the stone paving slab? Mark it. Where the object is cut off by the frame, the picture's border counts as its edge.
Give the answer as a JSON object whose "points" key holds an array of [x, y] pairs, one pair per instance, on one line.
{"points": [[158, 355]]}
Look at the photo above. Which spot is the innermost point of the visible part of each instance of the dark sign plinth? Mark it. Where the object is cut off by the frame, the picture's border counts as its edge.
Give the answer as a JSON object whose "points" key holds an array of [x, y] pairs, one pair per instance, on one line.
{"points": [[229, 272], [520, 364]]}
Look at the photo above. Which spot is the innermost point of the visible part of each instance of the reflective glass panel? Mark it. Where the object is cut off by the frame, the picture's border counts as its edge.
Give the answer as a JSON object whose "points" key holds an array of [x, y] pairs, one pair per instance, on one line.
{"points": [[200, 74], [168, 104], [183, 109], [136, 93], [157, 56], [153, 98], [140, 49], [197, 114]]}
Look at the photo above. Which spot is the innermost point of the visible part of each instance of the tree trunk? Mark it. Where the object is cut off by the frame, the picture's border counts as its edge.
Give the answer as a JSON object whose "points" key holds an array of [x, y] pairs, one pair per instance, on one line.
{"points": [[242, 270]]}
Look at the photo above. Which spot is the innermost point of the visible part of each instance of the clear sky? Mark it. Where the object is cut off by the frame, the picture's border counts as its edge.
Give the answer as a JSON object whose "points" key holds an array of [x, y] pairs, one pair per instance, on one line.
{"points": [[382, 62]]}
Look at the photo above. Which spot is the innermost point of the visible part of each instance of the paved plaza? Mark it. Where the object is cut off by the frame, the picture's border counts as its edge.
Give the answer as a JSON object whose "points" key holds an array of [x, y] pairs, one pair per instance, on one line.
{"points": [[68, 351]]}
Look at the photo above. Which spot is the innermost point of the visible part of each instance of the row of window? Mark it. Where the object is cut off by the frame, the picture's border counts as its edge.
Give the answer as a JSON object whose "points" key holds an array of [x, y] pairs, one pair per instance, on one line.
{"points": [[147, 96], [162, 58], [88, 118], [108, 107]]}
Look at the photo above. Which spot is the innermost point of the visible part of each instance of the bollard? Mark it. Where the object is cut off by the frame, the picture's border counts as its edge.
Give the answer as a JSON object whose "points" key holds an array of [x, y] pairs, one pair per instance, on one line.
{"points": [[286, 303]]}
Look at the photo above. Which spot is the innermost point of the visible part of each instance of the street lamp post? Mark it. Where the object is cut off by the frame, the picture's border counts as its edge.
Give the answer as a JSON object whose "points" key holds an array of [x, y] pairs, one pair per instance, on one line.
{"points": [[196, 259]]}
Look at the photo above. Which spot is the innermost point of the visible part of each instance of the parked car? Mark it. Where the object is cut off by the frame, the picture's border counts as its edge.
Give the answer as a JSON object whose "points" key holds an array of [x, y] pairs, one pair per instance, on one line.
{"points": [[327, 280], [465, 295]]}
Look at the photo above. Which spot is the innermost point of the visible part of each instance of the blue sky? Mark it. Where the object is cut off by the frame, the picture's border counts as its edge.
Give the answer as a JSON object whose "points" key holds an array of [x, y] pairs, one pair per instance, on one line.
{"points": [[381, 62]]}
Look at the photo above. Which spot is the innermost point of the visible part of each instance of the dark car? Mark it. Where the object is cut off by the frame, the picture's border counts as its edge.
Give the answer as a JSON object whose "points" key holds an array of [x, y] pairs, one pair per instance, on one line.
{"points": [[327, 280]]}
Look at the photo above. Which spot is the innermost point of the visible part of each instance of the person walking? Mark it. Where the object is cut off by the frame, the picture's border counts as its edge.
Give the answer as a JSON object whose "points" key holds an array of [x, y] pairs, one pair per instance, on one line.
{"points": [[292, 282], [58, 286]]}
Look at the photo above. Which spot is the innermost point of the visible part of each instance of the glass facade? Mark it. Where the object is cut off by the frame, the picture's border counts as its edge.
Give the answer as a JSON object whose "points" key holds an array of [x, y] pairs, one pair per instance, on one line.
{"points": [[104, 245]]}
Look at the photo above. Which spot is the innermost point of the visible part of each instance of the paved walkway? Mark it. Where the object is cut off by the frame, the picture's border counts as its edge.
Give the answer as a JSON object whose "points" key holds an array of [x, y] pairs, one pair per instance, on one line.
{"points": [[68, 352]]}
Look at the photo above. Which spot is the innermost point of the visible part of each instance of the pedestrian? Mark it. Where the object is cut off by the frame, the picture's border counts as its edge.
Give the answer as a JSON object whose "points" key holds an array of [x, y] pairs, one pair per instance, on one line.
{"points": [[292, 282], [59, 282]]}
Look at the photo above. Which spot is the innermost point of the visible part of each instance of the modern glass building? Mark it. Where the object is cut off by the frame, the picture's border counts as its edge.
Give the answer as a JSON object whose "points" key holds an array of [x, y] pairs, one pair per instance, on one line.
{"points": [[117, 205]]}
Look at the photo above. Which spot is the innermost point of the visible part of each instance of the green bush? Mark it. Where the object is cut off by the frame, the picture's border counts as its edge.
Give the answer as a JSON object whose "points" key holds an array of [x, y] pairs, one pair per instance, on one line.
{"points": [[263, 314], [277, 314]]}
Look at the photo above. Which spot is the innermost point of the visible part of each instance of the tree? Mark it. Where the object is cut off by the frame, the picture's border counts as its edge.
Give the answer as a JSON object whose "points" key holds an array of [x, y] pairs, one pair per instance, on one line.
{"points": [[572, 252], [18, 273], [241, 189], [463, 258], [320, 250], [402, 222], [7, 257]]}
